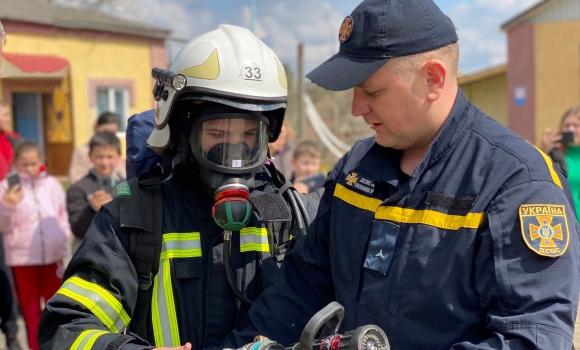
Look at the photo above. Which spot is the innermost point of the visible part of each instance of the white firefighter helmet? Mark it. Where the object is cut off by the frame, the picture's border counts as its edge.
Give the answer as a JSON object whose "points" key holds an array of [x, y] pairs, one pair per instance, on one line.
{"points": [[229, 65]]}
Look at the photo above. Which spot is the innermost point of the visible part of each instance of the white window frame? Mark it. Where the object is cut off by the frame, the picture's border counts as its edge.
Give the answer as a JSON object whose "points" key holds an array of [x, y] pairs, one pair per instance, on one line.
{"points": [[111, 107]]}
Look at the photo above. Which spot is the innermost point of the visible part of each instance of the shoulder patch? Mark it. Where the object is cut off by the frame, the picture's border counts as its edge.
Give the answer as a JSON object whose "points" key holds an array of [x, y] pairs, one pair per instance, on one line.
{"points": [[123, 189], [545, 228], [360, 183]]}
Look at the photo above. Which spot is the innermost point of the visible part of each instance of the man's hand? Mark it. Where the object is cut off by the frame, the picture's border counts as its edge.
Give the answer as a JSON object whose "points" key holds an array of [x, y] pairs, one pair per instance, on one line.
{"points": [[13, 196], [99, 199], [187, 346]]}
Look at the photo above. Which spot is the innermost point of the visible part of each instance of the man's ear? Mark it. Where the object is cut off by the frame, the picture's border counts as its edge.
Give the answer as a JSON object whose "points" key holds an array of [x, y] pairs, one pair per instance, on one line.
{"points": [[436, 74]]}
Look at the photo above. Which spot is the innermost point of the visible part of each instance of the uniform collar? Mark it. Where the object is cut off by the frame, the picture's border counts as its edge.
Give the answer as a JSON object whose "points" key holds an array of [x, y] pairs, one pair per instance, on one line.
{"points": [[452, 131]]}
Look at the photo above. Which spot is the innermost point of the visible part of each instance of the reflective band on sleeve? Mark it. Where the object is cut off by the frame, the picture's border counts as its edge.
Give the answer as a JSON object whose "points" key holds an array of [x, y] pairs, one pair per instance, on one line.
{"points": [[87, 339], [163, 313], [551, 169], [429, 217], [356, 199], [181, 245], [254, 239], [98, 300]]}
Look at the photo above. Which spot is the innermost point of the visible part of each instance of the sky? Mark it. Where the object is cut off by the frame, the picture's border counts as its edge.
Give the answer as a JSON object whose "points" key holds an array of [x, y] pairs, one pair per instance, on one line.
{"points": [[282, 24]]}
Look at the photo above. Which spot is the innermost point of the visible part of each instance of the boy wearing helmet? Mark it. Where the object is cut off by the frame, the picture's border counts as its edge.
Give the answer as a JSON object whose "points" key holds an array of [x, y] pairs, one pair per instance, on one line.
{"points": [[177, 258]]}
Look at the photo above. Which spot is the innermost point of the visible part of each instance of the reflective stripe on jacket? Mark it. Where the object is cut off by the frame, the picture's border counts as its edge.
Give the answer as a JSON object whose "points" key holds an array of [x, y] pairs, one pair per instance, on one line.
{"points": [[192, 301], [440, 259]]}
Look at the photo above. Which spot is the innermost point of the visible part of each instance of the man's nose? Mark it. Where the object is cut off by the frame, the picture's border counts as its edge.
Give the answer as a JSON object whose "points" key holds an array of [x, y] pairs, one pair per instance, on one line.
{"points": [[235, 138], [359, 103]]}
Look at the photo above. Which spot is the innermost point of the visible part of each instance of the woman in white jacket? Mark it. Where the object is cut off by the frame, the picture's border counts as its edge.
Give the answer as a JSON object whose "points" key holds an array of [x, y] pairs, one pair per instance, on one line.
{"points": [[34, 222]]}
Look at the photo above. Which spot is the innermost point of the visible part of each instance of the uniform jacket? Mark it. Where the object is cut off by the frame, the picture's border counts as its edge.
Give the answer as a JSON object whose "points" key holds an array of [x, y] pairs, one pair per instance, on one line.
{"points": [[440, 261], [192, 301], [78, 204], [35, 231]]}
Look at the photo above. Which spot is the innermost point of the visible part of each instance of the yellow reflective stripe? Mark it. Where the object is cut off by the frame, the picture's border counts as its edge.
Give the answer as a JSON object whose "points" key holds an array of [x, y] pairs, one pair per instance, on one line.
{"points": [[254, 247], [164, 316], [186, 253], [191, 236], [98, 300], [256, 231], [170, 301], [181, 245], [429, 217], [550, 165], [87, 339], [355, 199], [156, 317], [254, 239]]}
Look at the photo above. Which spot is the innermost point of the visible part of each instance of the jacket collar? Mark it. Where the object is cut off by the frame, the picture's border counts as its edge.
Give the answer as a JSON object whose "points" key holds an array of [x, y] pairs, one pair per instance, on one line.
{"points": [[452, 131]]}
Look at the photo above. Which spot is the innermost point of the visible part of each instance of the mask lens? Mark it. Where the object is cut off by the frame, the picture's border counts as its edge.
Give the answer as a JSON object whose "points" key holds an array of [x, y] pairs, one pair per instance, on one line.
{"points": [[231, 144]]}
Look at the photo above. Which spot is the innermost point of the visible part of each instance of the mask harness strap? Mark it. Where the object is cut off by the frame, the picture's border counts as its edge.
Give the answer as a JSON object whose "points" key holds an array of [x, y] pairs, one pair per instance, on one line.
{"points": [[155, 176]]}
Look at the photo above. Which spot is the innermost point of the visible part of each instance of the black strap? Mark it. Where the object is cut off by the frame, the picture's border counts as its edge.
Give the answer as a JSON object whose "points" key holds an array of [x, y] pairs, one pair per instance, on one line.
{"points": [[278, 179], [119, 341], [144, 251]]}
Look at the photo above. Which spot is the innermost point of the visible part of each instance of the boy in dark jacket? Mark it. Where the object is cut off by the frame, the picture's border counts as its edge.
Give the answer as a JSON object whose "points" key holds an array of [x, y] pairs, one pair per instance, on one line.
{"points": [[96, 189]]}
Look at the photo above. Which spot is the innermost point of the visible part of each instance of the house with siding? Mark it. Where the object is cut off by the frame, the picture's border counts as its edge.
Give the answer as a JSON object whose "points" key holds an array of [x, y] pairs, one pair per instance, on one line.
{"points": [[62, 67], [541, 79]]}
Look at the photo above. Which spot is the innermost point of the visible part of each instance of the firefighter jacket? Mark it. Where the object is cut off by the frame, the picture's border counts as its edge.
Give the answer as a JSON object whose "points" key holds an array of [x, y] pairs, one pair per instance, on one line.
{"points": [[477, 249], [190, 298]]}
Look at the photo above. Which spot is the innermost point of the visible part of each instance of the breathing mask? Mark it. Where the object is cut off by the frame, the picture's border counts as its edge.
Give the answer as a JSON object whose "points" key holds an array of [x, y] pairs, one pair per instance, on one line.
{"points": [[230, 148]]}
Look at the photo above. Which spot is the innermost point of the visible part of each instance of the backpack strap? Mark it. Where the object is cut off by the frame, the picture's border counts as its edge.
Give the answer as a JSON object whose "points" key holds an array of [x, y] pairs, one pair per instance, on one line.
{"points": [[142, 218], [285, 240]]}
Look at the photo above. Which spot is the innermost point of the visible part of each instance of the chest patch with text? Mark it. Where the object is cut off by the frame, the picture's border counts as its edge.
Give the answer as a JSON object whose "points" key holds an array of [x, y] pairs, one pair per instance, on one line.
{"points": [[360, 183]]}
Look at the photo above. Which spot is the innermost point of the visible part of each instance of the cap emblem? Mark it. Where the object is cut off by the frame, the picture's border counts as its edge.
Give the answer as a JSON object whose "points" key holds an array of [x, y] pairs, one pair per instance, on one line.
{"points": [[345, 29]]}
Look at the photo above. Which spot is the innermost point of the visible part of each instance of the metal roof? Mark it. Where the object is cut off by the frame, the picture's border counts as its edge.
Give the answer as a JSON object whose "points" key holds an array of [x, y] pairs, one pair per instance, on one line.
{"points": [[481, 75], [44, 13], [546, 11]]}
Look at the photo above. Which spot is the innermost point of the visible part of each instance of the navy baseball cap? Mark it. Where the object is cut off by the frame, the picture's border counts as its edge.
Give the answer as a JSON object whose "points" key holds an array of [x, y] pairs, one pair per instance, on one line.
{"points": [[378, 30]]}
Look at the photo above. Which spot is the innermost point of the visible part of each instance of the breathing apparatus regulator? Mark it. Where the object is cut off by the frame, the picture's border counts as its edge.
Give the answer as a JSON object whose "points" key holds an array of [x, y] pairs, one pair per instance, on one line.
{"points": [[230, 91], [369, 337]]}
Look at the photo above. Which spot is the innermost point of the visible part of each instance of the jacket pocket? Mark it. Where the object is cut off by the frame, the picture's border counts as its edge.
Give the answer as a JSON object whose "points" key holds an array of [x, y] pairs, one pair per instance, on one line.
{"points": [[381, 247]]}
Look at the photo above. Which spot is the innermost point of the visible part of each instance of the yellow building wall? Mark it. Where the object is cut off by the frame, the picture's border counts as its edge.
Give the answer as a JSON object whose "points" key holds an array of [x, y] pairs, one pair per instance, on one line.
{"points": [[490, 95], [93, 58], [557, 70]]}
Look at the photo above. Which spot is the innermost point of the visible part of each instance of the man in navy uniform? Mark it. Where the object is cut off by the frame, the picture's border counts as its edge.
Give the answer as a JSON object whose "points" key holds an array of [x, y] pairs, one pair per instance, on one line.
{"points": [[446, 229]]}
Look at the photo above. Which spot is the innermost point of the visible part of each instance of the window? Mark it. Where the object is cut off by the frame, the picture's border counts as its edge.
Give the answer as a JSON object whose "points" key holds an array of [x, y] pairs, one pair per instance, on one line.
{"points": [[116, 100]]}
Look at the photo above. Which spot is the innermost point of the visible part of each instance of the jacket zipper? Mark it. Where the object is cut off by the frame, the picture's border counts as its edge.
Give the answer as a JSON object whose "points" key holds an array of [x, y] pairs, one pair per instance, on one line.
{"points": [[43, 256]]}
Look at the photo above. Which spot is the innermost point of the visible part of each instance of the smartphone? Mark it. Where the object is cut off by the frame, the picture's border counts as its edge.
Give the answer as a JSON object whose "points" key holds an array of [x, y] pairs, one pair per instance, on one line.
{"points": [[13, 180], [105, 184], [567, 137]]}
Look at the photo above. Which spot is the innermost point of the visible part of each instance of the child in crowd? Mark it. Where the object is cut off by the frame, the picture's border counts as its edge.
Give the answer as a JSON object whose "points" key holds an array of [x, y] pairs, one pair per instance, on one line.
{"points": [[97, 188], [35, 228], [306, 163], [80, 163]]}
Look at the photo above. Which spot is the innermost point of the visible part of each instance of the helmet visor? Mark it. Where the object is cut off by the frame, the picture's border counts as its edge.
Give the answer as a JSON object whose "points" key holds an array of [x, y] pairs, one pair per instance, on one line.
{"points": [[230, 144]]}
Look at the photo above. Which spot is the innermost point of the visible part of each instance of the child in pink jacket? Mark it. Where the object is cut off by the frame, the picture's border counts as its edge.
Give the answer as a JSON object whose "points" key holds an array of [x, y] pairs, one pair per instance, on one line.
{"points": [[34, 221]]}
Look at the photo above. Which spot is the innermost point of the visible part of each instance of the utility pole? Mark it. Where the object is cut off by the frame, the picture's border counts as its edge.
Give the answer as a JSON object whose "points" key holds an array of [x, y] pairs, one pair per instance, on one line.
{"points": [[300, 90], [253, 16]]}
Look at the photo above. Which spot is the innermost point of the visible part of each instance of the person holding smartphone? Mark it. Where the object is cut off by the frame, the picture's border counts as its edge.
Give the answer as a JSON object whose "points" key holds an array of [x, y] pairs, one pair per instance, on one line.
{"points": [[563, 147], [86, 197]]}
